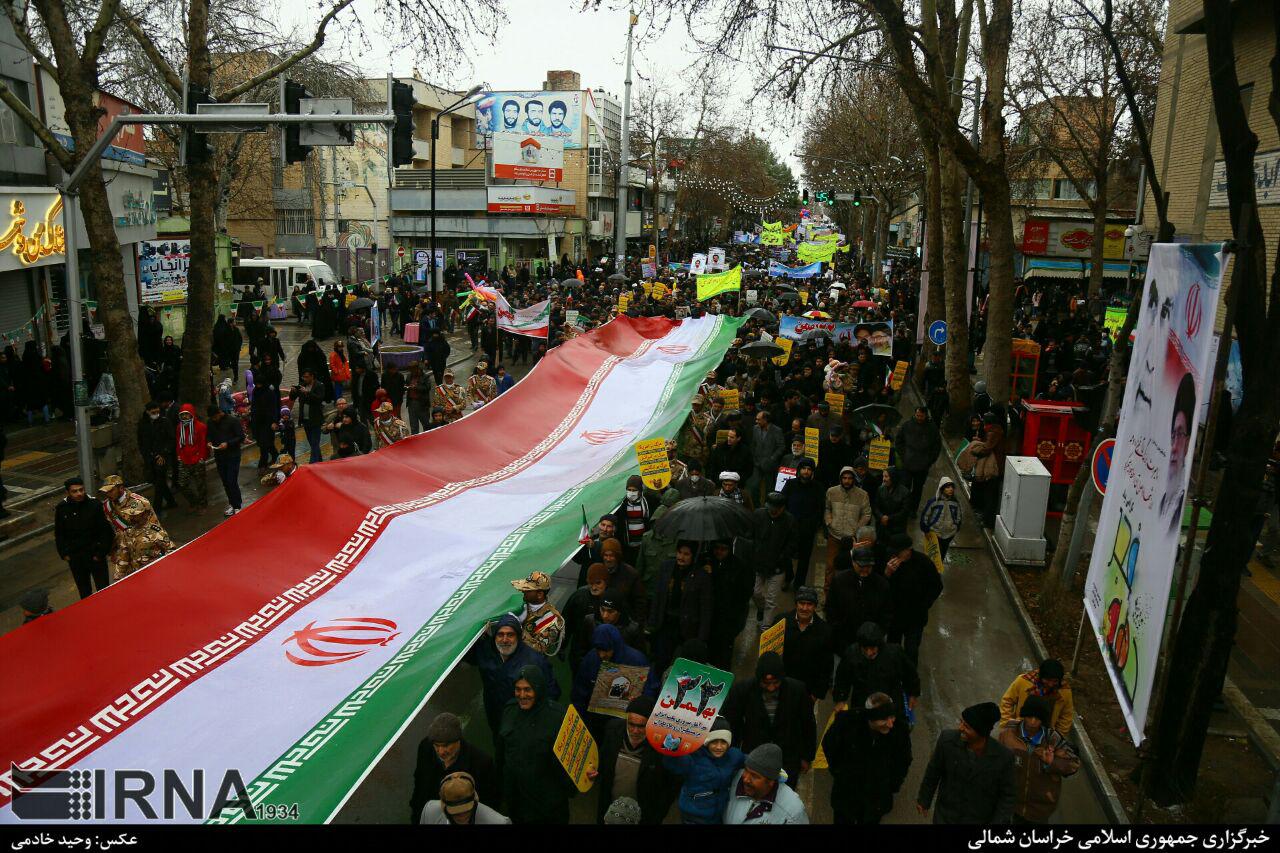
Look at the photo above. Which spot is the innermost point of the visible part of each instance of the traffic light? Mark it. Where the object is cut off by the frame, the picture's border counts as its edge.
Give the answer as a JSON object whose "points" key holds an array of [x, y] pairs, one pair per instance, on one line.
{"points": [[195, 145], [805, 196], [857, 198], [402, 101], [291, 97]]}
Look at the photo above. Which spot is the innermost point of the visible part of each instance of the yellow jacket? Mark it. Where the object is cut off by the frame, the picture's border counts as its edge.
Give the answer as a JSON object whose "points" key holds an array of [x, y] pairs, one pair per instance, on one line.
{"points": [[1027, 684]]}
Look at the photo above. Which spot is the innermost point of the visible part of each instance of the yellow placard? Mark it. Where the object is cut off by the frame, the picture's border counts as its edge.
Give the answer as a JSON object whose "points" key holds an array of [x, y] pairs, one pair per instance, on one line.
{"points": [[659, 290], [722, 436], [878, 455], [655, 467], [576, 749], [836, 402], [730, 398], [899, 375], [624, 302], [820, 760], [804, 297], [934, 550], [647, 287], [771, 638], [785, 343], [811, 439]]}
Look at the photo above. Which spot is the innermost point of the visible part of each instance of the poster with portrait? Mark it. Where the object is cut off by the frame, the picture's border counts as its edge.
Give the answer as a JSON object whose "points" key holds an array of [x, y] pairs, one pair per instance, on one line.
{"points": [[616, 685], [878, 334], [163, 267], [555, 114], [1131, 569]]}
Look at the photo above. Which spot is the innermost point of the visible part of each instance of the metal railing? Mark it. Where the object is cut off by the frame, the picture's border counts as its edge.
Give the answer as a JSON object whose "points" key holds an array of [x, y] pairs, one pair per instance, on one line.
{"points": [[446, 179]]}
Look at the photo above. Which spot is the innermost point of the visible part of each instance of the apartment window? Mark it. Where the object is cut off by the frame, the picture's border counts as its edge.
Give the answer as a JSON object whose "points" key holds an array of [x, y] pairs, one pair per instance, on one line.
{"points": [[1041, 188], [1064, 190], [293, 221], [13, 130], [593, 161]]}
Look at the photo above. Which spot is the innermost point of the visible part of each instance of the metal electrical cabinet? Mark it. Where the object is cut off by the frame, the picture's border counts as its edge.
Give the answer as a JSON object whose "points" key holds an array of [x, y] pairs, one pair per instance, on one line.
{"points": [[1020, 524]]}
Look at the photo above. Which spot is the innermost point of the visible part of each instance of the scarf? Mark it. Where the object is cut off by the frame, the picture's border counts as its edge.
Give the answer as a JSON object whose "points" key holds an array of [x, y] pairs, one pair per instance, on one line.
{"points": [[187, 433]]}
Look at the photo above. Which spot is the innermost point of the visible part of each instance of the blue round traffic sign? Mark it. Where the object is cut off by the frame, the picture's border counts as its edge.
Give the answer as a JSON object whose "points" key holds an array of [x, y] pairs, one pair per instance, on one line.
{"points": [[938, 332], [1101, 467]]}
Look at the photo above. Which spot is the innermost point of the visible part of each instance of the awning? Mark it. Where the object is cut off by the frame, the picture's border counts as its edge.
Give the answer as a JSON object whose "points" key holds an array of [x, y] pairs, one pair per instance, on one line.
{"points": [[1068, 269]]}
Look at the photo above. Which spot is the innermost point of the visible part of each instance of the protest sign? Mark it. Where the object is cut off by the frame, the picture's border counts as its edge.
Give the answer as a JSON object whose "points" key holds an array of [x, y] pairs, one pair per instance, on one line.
{"points": [[878, 456], [624, 302], [811, 439], [899, 375], [752, 297], [730, 396], [877, 334], [934, 550], [820, 760], [784, 474], [571, 318], [710, 285], [836, 402], [616, 685], [576, 749], [786, 344], [771, 638], [690, 699], [804, 299], [655, 467]]}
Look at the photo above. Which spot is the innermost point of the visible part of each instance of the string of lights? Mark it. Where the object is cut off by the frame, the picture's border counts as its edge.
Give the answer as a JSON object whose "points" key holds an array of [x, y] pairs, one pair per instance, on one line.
{"points": [[737, 197]]}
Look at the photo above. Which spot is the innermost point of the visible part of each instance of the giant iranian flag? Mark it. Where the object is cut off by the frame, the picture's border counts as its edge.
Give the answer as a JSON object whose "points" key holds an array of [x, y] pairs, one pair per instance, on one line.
{"points": [[294, 642]]}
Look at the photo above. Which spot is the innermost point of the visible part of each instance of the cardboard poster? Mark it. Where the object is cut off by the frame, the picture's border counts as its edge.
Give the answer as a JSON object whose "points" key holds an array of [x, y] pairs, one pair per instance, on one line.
{"points": [[655, 467], [820, 760], [688, 704], [752, 297], [878, 455], [899, 376], [811, 439], [659, 290], [576, 749], [771, 638], [616, 686], [934, 550], [730, 397], [784, 474], [624, 302], [722, 436], [804, 297], [786, 344], [836, 402], [571, 318]]}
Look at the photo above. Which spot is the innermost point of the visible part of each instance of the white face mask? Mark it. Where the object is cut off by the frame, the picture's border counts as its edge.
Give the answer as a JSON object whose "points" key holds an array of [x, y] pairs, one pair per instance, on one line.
{"points": [[695, 477], [633, 495], [155, 416]]}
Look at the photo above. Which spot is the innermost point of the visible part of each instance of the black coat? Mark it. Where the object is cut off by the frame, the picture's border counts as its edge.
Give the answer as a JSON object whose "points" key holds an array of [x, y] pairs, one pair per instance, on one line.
{"points": [[793, 727], [429, 772], [228, 430], [726, 458], [655, 790], [693, 615], [81, 529], [156, 438], [890, 672], [855, 600], [773, 542], [867, 768], [809, 654], [970, 789], [915, 585]]}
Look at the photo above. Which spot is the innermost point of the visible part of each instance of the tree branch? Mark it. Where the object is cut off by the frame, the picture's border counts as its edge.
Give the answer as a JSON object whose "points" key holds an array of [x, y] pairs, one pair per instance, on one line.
{"points": [[97, 36], [152, 50], [20, 27], [289, 61]]}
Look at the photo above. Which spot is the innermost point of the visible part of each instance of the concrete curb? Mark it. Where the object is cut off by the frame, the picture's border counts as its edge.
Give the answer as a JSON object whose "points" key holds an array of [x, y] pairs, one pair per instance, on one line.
{"points": [[1089, 756], [1261, 733]]}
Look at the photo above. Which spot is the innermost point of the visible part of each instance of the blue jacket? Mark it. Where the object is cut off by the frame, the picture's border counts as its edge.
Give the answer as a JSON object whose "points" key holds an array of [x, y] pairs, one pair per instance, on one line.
{"points": [[705, 792], [499, 676], [603, 637]]}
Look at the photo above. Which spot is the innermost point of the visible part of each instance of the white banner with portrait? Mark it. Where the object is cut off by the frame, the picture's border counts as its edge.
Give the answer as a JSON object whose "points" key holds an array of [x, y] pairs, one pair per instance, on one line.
{"points": [[1131, 570]]}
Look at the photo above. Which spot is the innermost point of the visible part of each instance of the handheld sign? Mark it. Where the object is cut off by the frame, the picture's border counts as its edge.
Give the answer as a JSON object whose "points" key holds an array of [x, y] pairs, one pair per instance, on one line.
{"points": [[878, 457], [571, 318], [576, 749], [1101, 468], [655, 467], [784, 474], [811, 439], [836, 402], [624, 302], [933, 549], [804, 297], [785, 343], [752, 297], [730, 398], [687, 706], [899, 376], [771, 638], [820, 760], [615, 687]]}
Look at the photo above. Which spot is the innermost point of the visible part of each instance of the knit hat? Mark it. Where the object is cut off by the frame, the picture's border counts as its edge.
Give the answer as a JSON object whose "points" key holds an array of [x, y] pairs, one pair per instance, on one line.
{"points": [[623, 810], [35, 601], [642, 705], [766, 759], [611, 545], [635, 481], [807, 593], [863, 556], [1036, 706], [981, 717], [458, 793], [770, 663], [848, 469], [445, 728], [720, 731], [775, 499], [900, 542], [597, 572]]}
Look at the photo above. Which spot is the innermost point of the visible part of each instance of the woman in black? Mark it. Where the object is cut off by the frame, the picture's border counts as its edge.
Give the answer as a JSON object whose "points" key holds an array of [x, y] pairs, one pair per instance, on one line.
{"points": [[265, 409]]}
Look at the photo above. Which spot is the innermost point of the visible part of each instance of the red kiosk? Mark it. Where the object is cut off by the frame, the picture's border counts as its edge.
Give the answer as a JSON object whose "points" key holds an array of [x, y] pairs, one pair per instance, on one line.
{"points": [[1052, 435]]}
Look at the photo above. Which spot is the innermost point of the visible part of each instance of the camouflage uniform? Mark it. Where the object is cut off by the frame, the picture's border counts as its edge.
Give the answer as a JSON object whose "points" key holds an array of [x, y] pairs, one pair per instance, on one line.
{"points": [[543, 629], [139, 537], [388, 431]]}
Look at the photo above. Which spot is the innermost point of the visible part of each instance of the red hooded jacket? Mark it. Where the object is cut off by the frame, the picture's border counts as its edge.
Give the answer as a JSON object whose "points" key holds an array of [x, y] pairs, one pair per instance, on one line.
{"points": [[193, 447]]}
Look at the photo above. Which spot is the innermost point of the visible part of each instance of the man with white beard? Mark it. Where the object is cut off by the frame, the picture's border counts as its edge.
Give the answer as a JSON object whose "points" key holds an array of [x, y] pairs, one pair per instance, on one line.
{"points": [[499, 655]]}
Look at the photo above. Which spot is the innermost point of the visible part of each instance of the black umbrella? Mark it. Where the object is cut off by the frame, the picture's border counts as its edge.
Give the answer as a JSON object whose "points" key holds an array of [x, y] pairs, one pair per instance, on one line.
{"points": [[360, 304], [617, 278], [781, 286], [869, 414], [762, 349], [762, 315], [788, 297], [814, 334], [753, 274], [705, 519], [570, 282]]}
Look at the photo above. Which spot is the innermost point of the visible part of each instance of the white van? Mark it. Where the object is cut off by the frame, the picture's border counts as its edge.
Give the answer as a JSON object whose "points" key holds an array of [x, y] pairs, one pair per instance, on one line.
{"points": [[279, 275]]}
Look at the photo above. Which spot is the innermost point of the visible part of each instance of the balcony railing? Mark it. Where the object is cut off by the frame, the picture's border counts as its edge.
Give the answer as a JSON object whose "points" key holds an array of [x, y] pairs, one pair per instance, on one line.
{"points": [[453, 179]]}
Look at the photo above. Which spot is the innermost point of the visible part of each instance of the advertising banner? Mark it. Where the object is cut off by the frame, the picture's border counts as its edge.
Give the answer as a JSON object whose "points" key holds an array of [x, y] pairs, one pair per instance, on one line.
{"points": [[576, 749], [687, 706], [878, 335], [1131, 569], [164, 265], [527, 157], [616, 685], [525, 199], [780, 270], [541, 114]]}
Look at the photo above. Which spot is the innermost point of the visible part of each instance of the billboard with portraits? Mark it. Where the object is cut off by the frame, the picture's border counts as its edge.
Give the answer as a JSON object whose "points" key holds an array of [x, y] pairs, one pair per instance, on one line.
{"points": [[553, 114]]}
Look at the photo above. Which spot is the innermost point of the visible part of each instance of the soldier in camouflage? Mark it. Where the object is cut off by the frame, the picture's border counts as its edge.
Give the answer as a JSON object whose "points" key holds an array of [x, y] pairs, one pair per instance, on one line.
{"points": [[543, 625], [139, 537]]}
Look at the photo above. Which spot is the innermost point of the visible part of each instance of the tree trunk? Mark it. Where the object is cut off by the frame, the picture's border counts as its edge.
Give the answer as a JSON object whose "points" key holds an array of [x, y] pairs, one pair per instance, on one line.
{"points": [[935, 296], [1097, 252], [197, 338], [998, 347], [959, 389]]}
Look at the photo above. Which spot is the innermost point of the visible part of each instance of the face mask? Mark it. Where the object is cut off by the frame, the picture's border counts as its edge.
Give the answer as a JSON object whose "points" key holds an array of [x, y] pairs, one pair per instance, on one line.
{"points": [[695, 477], [155, 416], [633, 495]]}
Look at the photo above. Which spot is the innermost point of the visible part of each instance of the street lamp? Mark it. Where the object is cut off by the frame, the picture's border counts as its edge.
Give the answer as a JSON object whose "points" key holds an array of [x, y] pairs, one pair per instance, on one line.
{"points": [[435, 134]]}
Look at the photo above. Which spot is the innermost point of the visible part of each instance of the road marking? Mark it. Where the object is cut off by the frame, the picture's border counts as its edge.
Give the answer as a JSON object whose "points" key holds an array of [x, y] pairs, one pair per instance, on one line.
{"points": [[24, 458], [1265, 581]]}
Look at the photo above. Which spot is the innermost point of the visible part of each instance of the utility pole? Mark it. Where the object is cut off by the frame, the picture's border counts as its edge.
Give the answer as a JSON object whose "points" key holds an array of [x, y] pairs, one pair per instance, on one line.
{"points": [[620, 233], [333, 174], [391, 170]]}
